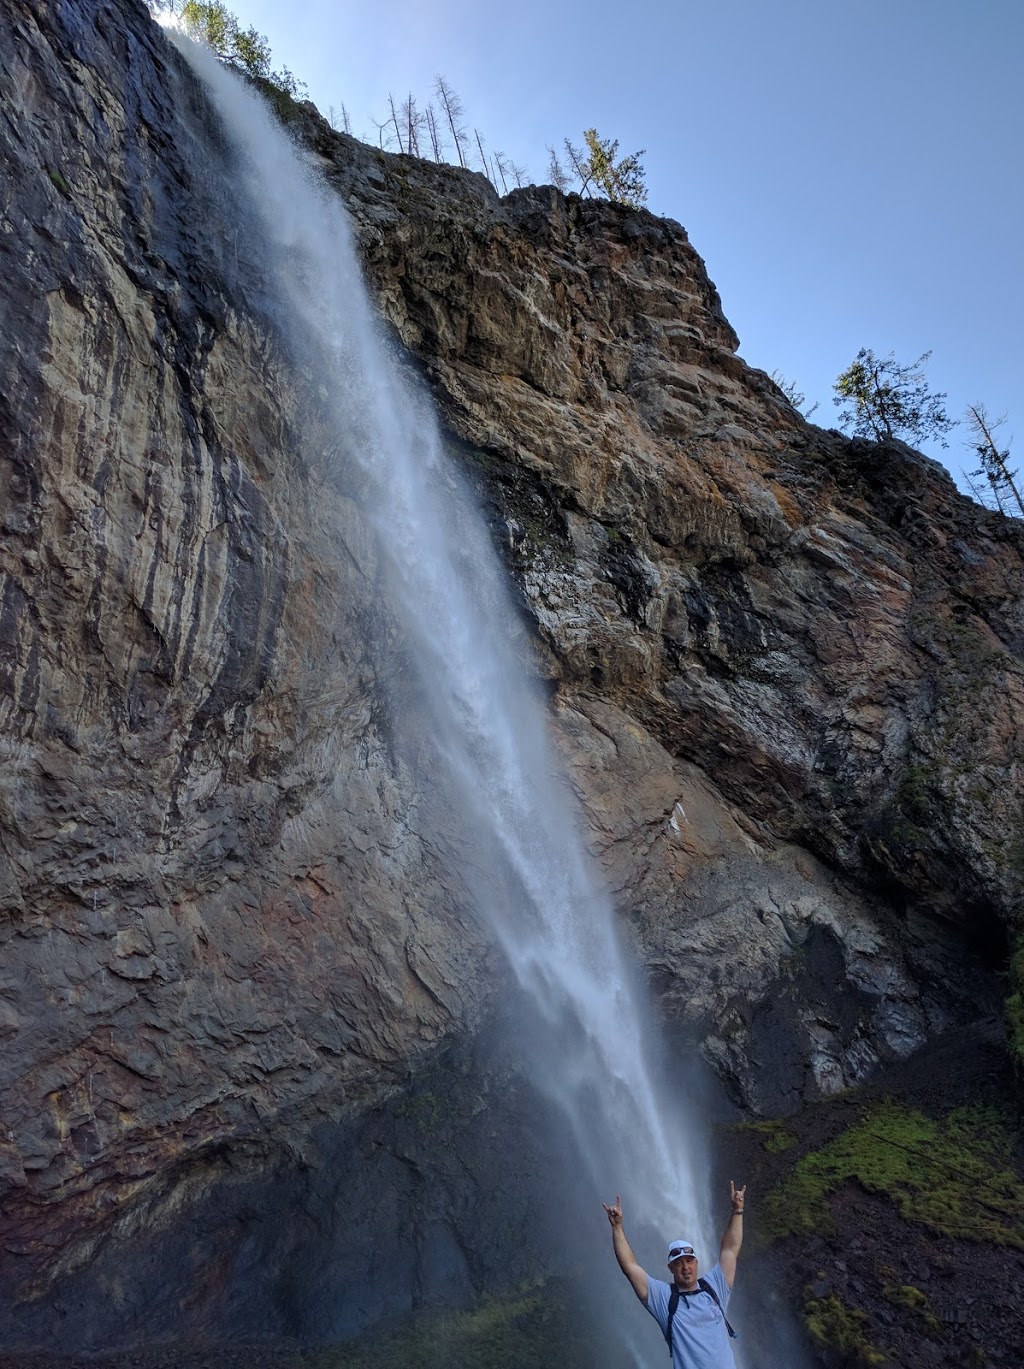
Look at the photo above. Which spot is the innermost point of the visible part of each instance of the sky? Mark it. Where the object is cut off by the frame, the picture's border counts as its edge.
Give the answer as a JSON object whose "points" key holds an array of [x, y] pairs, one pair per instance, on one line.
{"points": [[852, 174]]}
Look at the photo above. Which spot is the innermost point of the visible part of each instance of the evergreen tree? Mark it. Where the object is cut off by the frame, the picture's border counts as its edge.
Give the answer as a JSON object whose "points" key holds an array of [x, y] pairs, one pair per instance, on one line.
{"points": [[624, 181], [595, 165], [884, 399], [212, 23]]}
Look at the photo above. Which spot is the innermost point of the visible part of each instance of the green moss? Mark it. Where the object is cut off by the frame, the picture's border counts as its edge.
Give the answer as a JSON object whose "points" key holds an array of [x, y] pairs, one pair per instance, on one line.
{"points": [[952, 1176], [59, 181], [281, 101], [774, 1136], [1015, 1005], [834, 1326], [911, 814], [905, 1295], [519, 1329]]}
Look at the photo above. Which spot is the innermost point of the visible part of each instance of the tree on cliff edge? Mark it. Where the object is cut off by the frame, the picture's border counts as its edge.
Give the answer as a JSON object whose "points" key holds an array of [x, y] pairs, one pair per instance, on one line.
{"points": [[880, 398], [623, 181], [212, 23], [1003, 483]]}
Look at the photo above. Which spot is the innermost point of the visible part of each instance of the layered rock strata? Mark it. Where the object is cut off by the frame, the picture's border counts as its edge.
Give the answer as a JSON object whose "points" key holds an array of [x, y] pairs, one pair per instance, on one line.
{"points": [[785, 668]]}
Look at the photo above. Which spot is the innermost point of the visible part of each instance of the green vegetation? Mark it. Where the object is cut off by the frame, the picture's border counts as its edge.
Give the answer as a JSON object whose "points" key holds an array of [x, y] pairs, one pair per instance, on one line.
{"points": [[421, 130], [622, 181], [774, 1136], [212, 23], [519, 1329], [595, 168], [884, 398], [59, 181], [953, 1176], [912, 813], [834, 1326], [1015, 1005], [906, 1296], [426, 1111]]}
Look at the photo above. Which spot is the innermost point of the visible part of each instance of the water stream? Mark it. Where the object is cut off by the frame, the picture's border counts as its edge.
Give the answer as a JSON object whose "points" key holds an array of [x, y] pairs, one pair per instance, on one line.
{"points": [[537, 887]]}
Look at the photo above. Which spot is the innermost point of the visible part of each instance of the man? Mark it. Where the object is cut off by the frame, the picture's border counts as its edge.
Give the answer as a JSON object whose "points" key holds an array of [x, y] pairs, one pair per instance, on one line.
{"points": [[698, 1336]]}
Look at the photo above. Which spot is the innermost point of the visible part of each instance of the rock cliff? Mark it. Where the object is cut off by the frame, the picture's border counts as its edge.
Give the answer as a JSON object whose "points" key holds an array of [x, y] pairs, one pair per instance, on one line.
{"points": [[786, 674], [785, 666]]}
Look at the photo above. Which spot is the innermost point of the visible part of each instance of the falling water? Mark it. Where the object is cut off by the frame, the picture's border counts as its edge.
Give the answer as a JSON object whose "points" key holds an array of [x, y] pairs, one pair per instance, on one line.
{"points": [[545, 902]]}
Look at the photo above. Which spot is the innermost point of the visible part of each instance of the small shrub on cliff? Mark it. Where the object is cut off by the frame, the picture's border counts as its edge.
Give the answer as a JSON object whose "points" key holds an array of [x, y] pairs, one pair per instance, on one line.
{"points": [[880, 398], [834, 1326], [910, 1299]]}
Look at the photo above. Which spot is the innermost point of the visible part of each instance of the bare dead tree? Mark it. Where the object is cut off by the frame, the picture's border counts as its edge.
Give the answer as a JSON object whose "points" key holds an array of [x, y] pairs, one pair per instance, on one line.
{"points": [[454, 113], [395, 122], [557, 172], [520, 174], [795, 396], [436, 140], [982, 496], [339, 120], [995, 462], [483, 157], [580, 164], [414, 122], [501, 166]]}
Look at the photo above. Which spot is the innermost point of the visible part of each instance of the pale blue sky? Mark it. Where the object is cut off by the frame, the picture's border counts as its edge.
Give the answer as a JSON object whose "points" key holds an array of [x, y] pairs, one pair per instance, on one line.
{"points": [[851, 174]]}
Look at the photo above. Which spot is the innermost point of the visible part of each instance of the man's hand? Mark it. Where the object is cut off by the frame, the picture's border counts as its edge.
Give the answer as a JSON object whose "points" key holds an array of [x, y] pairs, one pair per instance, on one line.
{"points": [[614, 1211], [627, 1260], [733, 1236]]}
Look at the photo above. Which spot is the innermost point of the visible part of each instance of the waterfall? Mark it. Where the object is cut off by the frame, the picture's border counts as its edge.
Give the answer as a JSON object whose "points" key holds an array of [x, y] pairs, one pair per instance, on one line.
{"points": [[536, 886]]}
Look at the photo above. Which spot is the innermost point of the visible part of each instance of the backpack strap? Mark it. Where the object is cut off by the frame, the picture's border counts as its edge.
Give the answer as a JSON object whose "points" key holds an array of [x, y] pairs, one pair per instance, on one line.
{"points": [[703, 1283], [673, 1303]]}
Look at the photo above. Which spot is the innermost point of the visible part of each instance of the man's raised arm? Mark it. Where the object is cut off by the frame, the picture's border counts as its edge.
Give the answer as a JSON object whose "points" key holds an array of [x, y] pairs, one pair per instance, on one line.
{"points": [[732, 1237], [623, 1253]]}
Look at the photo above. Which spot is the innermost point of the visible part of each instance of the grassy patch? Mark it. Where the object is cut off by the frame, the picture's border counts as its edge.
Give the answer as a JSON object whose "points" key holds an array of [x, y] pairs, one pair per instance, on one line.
{"points": [[775, 1137], [911, 1299], [1015, 1005], [834, 1326], [953, 1176], [519, 1329]]}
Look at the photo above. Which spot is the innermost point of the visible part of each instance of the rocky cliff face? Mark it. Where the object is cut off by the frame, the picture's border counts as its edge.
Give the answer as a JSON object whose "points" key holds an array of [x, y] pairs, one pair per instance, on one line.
{"points": [[785, 672], [786, 667]]}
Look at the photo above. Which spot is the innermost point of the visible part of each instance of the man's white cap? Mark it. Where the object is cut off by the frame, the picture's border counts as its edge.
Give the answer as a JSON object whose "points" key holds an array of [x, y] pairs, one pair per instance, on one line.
{"points": [[678, 1248]]}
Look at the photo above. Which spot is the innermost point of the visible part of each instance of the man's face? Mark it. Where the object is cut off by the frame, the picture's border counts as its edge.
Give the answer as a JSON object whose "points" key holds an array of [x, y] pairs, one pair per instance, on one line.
{"points": [[684, 1271]]}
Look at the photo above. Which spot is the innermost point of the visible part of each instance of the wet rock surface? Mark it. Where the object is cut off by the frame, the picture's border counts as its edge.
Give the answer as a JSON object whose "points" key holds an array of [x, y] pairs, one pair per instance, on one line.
{"points": [[190, 645], [785, 672]]}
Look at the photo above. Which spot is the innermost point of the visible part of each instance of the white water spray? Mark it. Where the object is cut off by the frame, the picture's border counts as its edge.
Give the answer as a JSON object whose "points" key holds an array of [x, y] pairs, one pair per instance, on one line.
{"points": [[544, 901]]}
